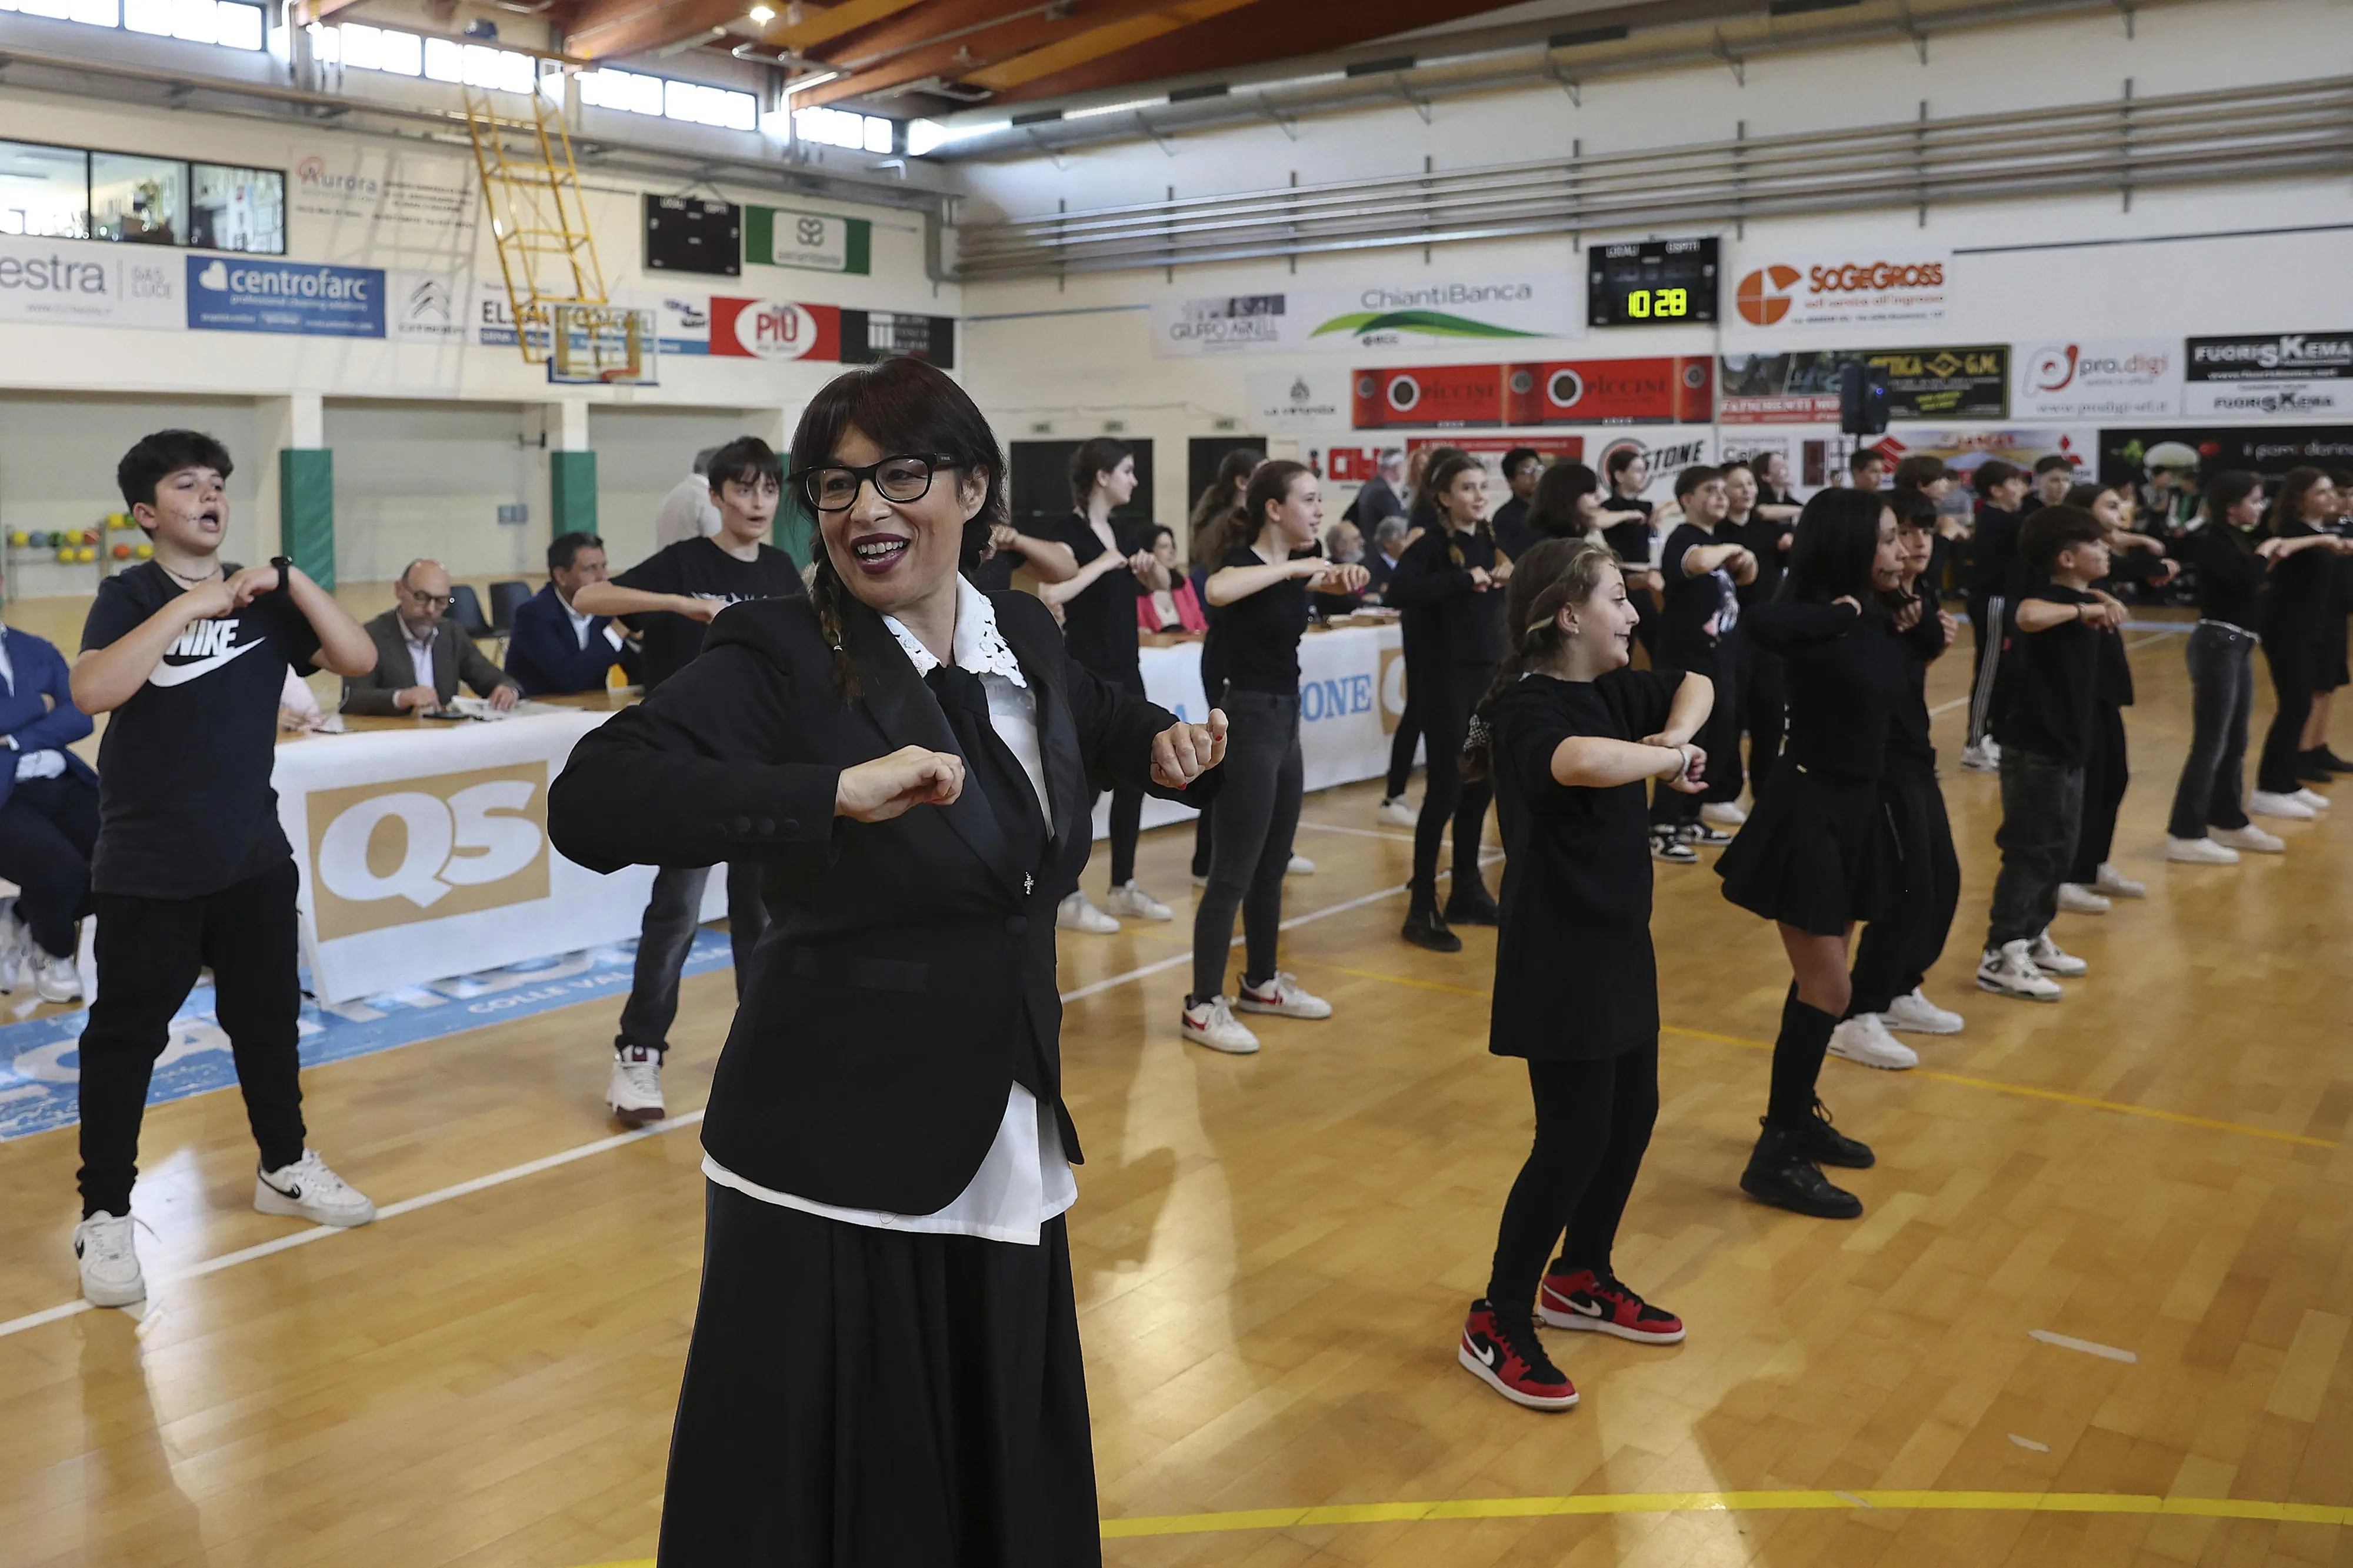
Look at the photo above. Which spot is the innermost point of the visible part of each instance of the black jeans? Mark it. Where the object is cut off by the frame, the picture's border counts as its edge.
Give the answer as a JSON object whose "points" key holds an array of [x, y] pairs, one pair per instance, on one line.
{"points": [[1258, 814], [47, 829], [2041, 810], [2221, 695], [1766, 713], [1126, 806], [2107, 771], [1448, 693], [1593, 1125], [673, 915], [2295, 676], [149, 952], [1898, 949]]}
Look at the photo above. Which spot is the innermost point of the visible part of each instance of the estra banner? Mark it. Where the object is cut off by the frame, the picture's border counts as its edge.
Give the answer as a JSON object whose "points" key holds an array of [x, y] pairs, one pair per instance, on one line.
{"points": [[1664, 391], [774, 329], [1429, 395]]}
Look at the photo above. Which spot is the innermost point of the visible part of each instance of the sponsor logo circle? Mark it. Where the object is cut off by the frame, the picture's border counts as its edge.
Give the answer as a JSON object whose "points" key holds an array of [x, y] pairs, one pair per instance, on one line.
{"points": [[1522, 382], [1404, 391], [1565, 388], [1763, 297], [2051, 369]]}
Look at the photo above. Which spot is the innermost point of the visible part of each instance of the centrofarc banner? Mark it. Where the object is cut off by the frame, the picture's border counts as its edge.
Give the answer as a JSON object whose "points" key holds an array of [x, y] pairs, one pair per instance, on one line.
{"points": [[2284, 373], [1411, 311], [1935, 384]]}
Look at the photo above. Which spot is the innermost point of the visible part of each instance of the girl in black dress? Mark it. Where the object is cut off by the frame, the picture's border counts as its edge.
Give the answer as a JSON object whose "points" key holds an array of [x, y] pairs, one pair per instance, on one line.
{"points": [[1098, 605], [885, 1368], [1452, 635], [1220, 502], [1815, 856], [1569, 734], [1258, 608], [2294, 634]]}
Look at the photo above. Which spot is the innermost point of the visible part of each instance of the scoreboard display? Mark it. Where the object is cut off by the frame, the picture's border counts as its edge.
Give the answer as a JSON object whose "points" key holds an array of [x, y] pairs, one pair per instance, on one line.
{"points": [[1657, 281]]}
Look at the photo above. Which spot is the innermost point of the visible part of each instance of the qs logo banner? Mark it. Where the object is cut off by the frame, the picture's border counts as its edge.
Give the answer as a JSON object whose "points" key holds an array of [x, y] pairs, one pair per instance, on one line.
{"points": [[1392, 688], [416, 849]]}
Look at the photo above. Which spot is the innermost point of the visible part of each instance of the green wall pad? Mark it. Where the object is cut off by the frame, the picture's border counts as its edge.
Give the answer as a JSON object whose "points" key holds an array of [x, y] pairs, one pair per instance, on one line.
{"points": [[306, 510], [571, 491]]}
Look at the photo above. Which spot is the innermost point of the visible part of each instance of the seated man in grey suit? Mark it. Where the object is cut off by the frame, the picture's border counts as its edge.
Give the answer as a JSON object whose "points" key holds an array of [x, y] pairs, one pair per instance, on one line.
{"points": [[420, 656]]}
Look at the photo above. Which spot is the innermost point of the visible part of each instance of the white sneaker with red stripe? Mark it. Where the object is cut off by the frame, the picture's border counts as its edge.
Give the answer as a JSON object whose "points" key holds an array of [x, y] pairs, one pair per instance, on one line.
{"points": [[1283, 996], [1599, 1304]]}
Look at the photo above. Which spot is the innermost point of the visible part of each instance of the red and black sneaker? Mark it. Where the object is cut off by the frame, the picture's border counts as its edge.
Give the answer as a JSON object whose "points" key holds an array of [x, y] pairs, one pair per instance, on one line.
{"points": [[1502, 1352], [1599, 1304]]}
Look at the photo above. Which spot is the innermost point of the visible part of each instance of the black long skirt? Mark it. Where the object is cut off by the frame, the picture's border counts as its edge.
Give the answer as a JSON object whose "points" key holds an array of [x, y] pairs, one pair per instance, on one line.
{"points": [[863, 1398]]}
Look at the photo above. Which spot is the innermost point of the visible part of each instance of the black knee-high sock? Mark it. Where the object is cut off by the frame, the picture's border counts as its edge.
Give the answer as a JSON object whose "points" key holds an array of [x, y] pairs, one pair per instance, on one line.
{"points": [[1798, 1055]]}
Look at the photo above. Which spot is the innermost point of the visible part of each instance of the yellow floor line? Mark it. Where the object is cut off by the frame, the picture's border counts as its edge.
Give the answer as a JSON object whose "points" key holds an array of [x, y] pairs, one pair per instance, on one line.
{"points": [[1329, 1514], [2062, 1097]]}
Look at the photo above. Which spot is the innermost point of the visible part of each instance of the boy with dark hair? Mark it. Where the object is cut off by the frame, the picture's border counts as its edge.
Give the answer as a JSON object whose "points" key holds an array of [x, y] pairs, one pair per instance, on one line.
{"points": [[2046, 736], [1523, 466], [670, 599], [1867, 469], [2054, 476], [1699, 633], [192, 868], [1994, 582]]}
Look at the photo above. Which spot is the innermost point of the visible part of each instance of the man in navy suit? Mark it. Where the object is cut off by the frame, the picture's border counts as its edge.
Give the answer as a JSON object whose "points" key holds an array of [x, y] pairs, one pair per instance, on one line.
{"points": [[554, 649], [49, 816]]}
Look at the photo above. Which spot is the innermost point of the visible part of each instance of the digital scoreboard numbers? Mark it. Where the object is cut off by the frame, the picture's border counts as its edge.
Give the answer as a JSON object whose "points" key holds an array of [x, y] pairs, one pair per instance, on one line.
{"points": [[1657, 281]]}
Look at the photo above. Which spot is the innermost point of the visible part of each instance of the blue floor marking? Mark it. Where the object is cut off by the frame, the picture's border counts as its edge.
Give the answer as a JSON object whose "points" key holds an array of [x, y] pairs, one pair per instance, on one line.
{"points": [[40, 1067]]}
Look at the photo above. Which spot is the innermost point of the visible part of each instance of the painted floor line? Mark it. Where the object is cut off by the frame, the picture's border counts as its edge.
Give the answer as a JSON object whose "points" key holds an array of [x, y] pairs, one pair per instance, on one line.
{"points": [[2089, 1347]]}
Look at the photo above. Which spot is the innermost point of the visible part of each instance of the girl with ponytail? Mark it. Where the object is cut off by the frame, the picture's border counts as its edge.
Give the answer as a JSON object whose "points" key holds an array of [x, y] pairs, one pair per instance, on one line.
{"points": [[1570, 735], [1445, 584]]}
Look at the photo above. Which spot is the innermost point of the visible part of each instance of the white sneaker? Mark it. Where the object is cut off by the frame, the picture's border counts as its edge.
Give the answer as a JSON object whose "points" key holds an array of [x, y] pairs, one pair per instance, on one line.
{"points": [[1300, 865], [2117, 885], [56, 979], [1396, 813], [109, 1253], [1133, 902], [1212, 1024], [1864, 1038], [1723, 813], [308, 1189], [1283, 996], [1915, 1014], [1199, 881], [2264, 803], [2312, 798], [2051, 958], [15, 946], [1985, 757], [2248, 838], [2078, 899], [2207, 851], [634, 1092], [2010, 972], [1075, 913]]}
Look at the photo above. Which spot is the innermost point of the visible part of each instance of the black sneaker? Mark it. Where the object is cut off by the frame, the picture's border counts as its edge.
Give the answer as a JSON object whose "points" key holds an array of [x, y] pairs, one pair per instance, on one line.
{"points": [[1826, 1145], [1502, 1351], [1702, 833], [2332, 762], [1665, 846], [1470, 904], [2312, 767], [1779, 1173], [1425, 926]]}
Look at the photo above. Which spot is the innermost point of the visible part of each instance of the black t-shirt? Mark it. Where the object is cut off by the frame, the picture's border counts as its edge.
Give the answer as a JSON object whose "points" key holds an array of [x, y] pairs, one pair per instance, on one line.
{"points": [[1447, 618], [1631, 540], [2049, 710], [2230, 576], [2299, 601], [1575, 975], [1908, 733], [1994, 563], [185, 802], [1762, 536], [1700, 612], [1258, 636], [995, 575], [1512, 529], [700, 568], [1844, 683], [1098, 626]]}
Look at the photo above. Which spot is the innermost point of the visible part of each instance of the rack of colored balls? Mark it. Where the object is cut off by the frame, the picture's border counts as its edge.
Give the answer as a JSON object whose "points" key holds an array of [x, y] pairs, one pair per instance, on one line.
{"points": [[82, 546]]}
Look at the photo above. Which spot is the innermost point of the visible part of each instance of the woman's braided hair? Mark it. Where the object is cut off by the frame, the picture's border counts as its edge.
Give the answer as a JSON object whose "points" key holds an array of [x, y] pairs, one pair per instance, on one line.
{"points": [[1552, 575], [903, 406], [1440, 479]]}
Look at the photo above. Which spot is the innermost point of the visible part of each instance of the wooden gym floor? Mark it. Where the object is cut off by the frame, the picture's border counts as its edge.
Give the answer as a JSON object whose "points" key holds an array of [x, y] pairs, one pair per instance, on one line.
{"points": [[2096, 1313]]}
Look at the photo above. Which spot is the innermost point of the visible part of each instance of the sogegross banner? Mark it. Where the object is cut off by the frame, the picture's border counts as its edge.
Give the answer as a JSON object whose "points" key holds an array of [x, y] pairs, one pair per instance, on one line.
{"points": [[1789, 294], [2284, 374], [1411, 311]]}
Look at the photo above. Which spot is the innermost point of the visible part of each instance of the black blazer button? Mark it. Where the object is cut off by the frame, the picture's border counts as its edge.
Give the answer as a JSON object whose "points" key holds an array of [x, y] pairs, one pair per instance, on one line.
{"points": [[767, 828], [743, 827], [1016, 924]]}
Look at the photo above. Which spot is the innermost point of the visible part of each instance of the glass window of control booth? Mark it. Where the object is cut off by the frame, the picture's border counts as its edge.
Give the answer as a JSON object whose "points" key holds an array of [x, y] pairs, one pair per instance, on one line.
{"points": [[237, 209], [44, 191], [139, 199]]}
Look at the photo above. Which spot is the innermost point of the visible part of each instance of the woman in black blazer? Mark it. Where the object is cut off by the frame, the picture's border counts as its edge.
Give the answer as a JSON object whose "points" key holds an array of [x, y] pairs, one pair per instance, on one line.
{"points": [[885, 1367]]}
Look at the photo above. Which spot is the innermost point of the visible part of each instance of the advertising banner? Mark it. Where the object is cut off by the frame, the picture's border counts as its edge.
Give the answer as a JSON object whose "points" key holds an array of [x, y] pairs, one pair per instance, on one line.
{"points": [[1301, 400], [1432, 394], [813, 242], [2114, 378], [1665, 390], [1412, 310], [243, 295], [774, 329], [1789, 295], [1664, 456], [2132, 455], [1922, 384], [2266, 377], [871, 336], [82, 283], [427, 307]]}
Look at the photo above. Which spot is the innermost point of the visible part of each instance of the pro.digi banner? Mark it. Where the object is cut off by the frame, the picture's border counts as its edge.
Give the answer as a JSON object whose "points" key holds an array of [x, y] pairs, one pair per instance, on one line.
{"points": [[1665, 390], [2114, 378], [1429, 395], [1790, 295], [1935, 384], [1411, 311], [2290, 374]]}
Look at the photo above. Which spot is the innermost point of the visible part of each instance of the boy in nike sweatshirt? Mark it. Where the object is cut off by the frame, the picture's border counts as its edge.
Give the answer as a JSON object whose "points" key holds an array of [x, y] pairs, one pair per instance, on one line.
{"points": [[192, 868]]}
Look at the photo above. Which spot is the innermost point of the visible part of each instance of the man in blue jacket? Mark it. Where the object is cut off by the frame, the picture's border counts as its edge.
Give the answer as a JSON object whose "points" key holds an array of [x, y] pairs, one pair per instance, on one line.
{"points": [[554, 649], [49, 816]]}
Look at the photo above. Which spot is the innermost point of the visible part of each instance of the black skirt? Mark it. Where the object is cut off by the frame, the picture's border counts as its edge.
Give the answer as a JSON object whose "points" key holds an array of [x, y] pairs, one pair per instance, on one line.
{"points": [[863, 1398], [2333, 671], [1816, 853]]}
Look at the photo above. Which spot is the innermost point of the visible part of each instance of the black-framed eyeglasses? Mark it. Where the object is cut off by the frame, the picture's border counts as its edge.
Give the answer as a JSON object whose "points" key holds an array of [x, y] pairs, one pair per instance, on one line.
{"points": [[904, 477]]}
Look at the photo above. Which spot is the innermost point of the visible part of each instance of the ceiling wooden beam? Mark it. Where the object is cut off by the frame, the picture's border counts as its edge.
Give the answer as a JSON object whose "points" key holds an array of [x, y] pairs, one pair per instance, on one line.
{"points": [[607, 30], [957, 57], [818, 26], [1071, 53], [310, 12]]}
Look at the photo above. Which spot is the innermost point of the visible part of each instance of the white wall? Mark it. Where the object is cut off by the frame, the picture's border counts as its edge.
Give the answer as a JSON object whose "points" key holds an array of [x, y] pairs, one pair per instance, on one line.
{"points": [[426, 479], [642, 453]]}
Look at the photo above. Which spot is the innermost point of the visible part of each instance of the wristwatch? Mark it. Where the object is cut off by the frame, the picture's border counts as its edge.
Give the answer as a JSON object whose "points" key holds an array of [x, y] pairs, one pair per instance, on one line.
{"points": [[283, 565]]}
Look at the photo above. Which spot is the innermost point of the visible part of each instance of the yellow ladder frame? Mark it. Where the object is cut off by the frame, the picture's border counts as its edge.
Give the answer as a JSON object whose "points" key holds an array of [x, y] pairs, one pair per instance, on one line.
{"points": [[538, 217]]}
